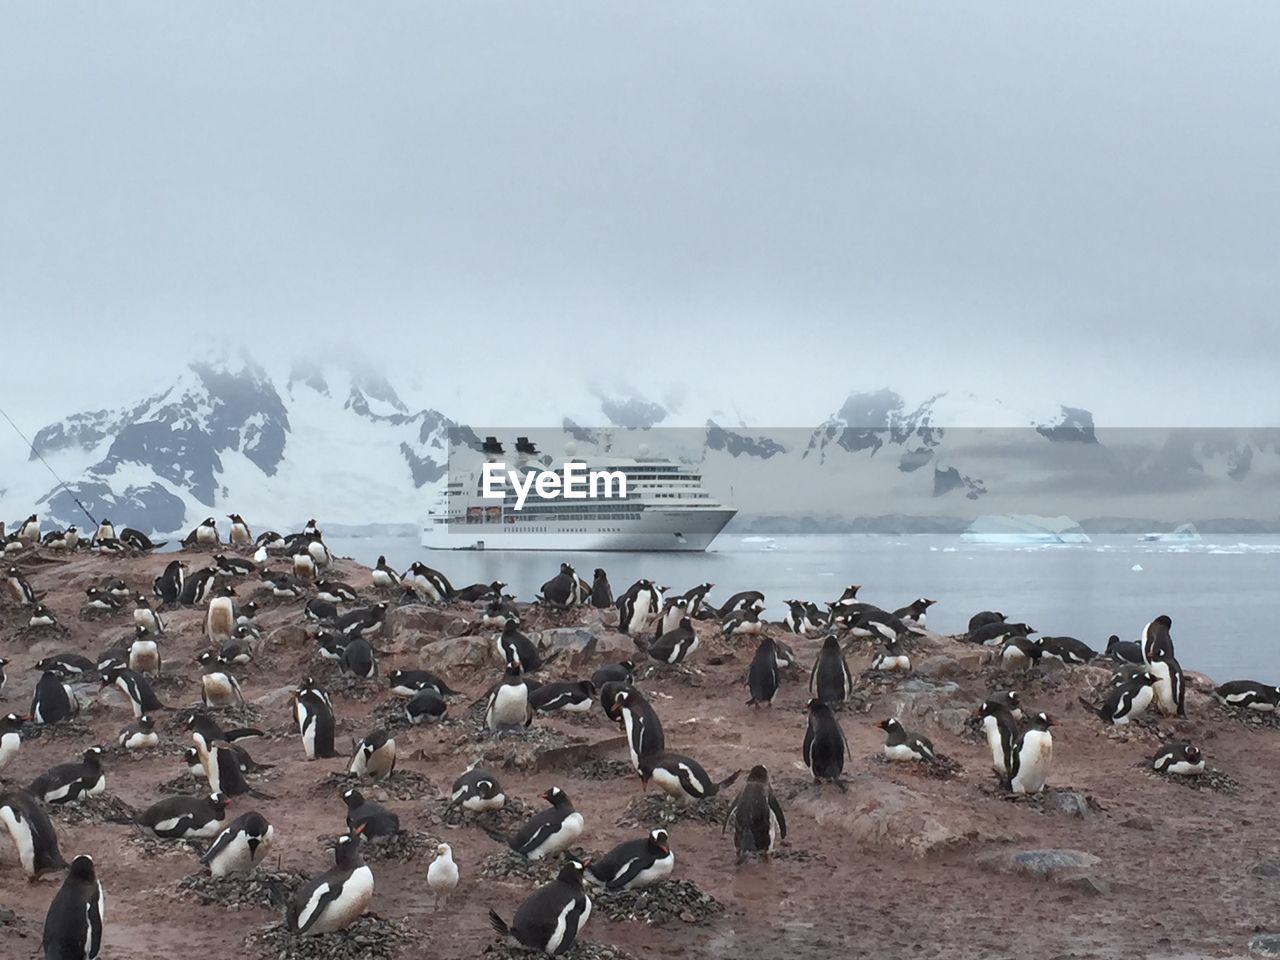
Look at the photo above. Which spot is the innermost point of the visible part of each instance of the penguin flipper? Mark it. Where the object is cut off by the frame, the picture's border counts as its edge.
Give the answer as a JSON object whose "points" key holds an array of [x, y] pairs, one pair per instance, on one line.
{"points": [[777, 812], [728, 781], [1096, 711], [499, 925], [239, 733]]}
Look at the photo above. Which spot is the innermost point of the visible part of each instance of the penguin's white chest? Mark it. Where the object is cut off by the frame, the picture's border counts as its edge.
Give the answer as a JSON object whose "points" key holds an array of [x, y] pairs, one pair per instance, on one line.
{"points": [[562, 839], [510, 706], [992, 729], [10, 743], [1034, 760]]}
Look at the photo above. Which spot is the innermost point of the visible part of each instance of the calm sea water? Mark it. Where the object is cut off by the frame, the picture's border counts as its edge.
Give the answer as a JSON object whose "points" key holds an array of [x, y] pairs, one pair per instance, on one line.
{"points": [[1223, 594]]}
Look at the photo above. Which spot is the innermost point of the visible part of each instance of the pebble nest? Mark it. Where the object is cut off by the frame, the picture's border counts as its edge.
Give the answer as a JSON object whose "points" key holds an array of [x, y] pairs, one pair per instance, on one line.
{"points": [[509, 866], [582, 950], [513, 813], [405, 845], [657, 810], [391, 716], [658, 903], [942, 767], [260, 890], [104, 808], [603, 769], [73, 728], [403, 785], [186, 785], [1252, 718], [150, 847], [369, 938], [1211, 779]]}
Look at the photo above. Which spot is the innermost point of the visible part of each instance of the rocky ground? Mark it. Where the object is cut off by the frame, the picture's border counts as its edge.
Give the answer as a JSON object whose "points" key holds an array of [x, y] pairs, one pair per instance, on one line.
{"points": [[909, 861]]}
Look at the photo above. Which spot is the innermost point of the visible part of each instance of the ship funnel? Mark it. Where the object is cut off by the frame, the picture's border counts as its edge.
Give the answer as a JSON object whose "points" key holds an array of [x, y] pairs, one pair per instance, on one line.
{"points": [[491, 446], [524, 446]]}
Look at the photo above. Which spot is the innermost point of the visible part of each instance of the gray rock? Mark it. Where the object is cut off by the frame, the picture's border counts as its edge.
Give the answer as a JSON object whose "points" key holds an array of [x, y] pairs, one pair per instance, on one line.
{"points": [[1268, 868], [1053, 864], [1265, 945], [469, 652], [1070, 802]]}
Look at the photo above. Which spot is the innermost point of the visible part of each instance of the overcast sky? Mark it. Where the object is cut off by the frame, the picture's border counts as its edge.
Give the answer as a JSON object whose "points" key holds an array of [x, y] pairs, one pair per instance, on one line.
{"points": [[790, 201]]}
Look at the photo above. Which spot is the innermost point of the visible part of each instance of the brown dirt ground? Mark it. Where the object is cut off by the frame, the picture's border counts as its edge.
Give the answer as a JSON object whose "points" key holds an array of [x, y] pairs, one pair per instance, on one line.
{"points": [[1187, 872]]}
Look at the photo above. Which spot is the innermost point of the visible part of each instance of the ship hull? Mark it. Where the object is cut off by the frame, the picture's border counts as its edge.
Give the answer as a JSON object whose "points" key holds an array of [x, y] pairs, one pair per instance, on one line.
{"points": [[657, 531]]}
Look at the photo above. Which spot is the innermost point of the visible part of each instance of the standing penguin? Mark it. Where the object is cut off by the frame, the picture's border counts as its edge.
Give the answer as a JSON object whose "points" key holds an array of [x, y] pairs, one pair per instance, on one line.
{"points": [[73, 925], [133, 685], [10, 738], [32, 833], [384, 576], [637, 608], [53, 700], [601, 592], [427, 583], [1001, 730], [335, 899], [314, 713], [218, 685], [241, 846], [19, 589], [762, 675], [1157, 644], [220, 623], [757, 818], [168, 586], [145, 617], [550, 919], [509, 702], [1032, 757], [205, 534], [516, 649], [239, 535], [1124, 701], [30, 529], [563, 590], [1169, 690], [830, 680], [824, 743], [644, 729]]}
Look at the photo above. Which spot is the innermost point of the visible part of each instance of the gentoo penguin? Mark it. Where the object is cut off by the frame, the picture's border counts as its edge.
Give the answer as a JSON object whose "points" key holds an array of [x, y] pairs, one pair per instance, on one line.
{"points": [[550, 919], [644, 729], [100, 600], [374, 756], [426, 583], [224, 769], [3, 678], [425, 706], [204, 727], [637, 608], [239, 535], [1123, 651], [138, 540], [1001, 730], [548, 831], [406, 683], [185, 818], [509, 702], [442, 875], [220, 623], [1032, 756], [168, 586], [68, 666], [995, 634], [62, 539], [53, 700], [30, 529], [144, 653], [696, 598], [824, 744], [675, 646], [622, 672], [1169, 690], [145, 617], [71, 782], [246, 613], [984, 618], [10, 738], [609, 692], [762, 674], [335, 899], [42, 616], [746, 600], [891, 656], [634, 863], [515, 649], [139, 735], [233, 566], [204, 535], [32, 833], [915, 611], [1019, 651], [797, 620], [106, 530], [191, 760], [902, 744], [601, 592], [362, 621], [681, 777], [19, 589], [384, 576], [673, 611], [831, 682], [241, 846], [1157, 644], [335, 591], [498, 611], [314, 713], [1250, 694], [240, 648], [218, 686], [73, 925], [197, 587], [574, 696], [268, 542], [1066, 650], [1124, 701], [477, 791], [756, 815], [1179, 758], [742, 623], [358, 659], [562, 591], [372, 820]]}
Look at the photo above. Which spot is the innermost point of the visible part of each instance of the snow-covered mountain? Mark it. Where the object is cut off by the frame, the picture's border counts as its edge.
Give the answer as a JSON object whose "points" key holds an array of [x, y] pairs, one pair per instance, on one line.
{"points": [[336, 440]]}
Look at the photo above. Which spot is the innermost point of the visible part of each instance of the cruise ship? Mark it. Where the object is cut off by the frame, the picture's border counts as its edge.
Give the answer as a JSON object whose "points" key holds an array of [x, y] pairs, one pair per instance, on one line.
{"points": [[665, 509]]}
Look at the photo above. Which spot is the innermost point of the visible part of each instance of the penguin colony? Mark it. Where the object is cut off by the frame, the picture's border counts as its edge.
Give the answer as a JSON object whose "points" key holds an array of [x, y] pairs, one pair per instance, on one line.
{"points": [[347, 622]]}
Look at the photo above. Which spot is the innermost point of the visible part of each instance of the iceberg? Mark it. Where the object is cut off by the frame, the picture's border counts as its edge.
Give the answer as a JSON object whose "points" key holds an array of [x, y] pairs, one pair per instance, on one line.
{"points": [[1183, 533], [1024, 528]]}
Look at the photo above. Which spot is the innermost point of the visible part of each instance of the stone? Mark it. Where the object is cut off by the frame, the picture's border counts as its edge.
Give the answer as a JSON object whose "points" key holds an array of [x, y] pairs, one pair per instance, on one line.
{"points": [[457, 652], [1070, 802], [1061, 866], [1265, 945]]}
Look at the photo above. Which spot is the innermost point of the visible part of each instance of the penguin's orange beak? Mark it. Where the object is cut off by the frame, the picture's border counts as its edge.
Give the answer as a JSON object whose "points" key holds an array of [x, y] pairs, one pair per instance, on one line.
{"points": [[359, 830]]}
